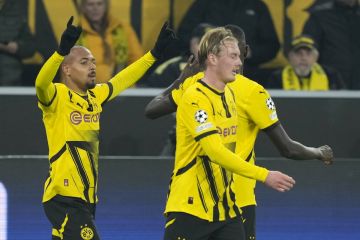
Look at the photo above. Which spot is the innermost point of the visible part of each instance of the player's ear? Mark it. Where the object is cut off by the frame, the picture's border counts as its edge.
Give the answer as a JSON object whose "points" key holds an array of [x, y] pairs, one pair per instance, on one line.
{"points": [[65, 69], [212, 59]]}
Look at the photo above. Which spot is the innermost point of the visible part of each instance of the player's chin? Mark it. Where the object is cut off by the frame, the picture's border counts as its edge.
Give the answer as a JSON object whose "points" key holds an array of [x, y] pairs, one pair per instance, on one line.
{"points": [[91, 84], [231, 78]]}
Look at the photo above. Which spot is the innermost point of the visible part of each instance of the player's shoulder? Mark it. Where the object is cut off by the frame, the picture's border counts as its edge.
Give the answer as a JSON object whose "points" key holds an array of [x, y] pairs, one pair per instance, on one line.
{"points": [[195, 91], [193, 79], [61, 88], [245, 86]]}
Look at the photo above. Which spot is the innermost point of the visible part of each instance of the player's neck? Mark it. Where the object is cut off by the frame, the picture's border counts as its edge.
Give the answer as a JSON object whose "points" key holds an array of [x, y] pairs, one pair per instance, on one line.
{"points": [[213, 81], [75, 88]]}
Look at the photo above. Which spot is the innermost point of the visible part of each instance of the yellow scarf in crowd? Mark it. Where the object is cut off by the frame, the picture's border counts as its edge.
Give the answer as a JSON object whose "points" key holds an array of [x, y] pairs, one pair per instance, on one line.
{"points": [[318, 81]]}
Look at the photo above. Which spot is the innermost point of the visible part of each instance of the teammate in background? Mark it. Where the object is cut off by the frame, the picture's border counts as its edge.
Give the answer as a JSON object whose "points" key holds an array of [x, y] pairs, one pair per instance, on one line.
{"points": [[201, 201], [71, 115], [256, 111]]}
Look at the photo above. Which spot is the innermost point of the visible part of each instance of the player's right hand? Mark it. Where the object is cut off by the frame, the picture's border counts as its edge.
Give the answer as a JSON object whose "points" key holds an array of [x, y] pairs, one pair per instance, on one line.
{"points": [[327, 155], [69, 37], [279, 181]]}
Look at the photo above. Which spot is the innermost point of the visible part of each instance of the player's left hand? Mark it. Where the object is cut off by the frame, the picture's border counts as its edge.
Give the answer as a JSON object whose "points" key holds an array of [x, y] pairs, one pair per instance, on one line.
{"points": [[165, 38], [326, 154], [69, 37]]}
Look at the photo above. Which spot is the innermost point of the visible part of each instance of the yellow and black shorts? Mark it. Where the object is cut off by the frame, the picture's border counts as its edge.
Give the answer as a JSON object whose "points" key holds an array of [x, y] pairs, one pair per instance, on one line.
{"points": [[185, 226], [71, 218]]}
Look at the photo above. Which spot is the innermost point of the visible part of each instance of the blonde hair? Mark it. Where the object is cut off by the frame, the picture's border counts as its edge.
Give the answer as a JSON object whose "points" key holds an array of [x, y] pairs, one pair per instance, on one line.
{"points": [[212, 42]]}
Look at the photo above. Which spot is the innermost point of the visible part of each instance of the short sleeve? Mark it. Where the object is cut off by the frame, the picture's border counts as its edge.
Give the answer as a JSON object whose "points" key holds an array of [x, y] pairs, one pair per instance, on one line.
{"points": [[261, 108], [195, 113]]}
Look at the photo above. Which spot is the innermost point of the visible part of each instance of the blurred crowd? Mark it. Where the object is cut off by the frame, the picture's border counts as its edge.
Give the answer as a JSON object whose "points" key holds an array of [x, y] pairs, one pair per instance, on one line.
{"points": [[324, 57]]}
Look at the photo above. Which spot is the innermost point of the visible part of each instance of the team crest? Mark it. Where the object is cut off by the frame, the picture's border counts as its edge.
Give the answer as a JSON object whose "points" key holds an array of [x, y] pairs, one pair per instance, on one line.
{"points": [[270, 104], [86, 233], [201, 116]]}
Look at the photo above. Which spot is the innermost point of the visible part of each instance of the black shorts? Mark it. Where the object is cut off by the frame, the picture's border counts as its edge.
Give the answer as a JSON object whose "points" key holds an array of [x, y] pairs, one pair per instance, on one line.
{"points": [[71, 218], [248, 214], [185, 226]]}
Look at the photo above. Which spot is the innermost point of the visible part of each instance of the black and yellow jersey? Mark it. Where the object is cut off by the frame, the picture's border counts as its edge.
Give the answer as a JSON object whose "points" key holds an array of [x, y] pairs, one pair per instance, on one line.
{"points": [[199, 186], [72, 123], [256, 110]]}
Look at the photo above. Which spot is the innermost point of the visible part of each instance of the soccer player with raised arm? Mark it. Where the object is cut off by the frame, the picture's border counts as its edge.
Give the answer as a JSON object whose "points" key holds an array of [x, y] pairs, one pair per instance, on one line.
{"points": [[256, 111], [71, 114], [201, 201]]}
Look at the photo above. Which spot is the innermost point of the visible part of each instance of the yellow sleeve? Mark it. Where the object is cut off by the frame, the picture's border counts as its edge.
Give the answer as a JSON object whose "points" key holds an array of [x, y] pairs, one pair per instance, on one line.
{"points": [[177, 93], [45, 89], [261, 108], [219, 154], [128, 76], [195, 112]]}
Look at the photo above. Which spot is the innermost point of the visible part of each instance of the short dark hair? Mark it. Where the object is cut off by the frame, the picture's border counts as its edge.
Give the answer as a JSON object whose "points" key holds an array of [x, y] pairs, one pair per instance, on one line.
{"points": [[238, 32]]}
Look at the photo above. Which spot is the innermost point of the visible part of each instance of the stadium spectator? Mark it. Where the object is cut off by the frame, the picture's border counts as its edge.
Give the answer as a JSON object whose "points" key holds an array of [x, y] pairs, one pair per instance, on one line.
{"points": [[251, 15], [165, 74], [256, 111], [71, 115], [303, 72], [336, 29], [201, 201], [16, 42], [113, 43]]}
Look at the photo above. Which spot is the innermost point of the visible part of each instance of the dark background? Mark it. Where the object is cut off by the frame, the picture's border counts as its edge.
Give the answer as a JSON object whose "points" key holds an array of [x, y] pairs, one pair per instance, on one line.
{"points": [[126, 131]]}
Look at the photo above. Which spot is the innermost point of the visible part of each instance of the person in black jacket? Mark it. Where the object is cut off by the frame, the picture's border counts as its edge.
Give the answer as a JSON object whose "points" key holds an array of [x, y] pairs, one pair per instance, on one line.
{"points": [[303, 72], [16, 42], [336, 29], [251, 15]]}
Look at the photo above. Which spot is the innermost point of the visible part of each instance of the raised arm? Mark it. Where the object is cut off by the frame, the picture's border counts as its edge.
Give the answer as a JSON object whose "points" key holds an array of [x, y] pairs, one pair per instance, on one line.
{"points": [[163, 103], [294, 150], [45, 89], [135, 71]]}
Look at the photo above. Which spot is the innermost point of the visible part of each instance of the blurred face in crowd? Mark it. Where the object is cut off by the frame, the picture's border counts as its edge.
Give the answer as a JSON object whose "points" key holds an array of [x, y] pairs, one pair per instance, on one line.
{"points": [[94, 10], [79, 68], [302, 60]]}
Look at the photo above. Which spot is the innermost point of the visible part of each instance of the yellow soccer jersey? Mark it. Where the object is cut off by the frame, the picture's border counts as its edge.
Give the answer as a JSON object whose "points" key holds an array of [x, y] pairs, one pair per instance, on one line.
{"points": [[198, 186], [176, 94], [256, 110], [72, 128]]}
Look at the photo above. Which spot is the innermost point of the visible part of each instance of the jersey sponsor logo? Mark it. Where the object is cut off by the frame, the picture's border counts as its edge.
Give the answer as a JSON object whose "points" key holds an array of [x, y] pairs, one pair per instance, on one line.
{"points": [[201, 116], [227, 131], [270, 104], [203, 127], [76, 117]]}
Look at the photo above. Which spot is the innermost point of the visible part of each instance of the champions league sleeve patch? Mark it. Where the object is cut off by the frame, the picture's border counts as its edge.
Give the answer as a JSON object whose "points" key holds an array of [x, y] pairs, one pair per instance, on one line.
{"points": [[201, 116], [270, 104]]}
